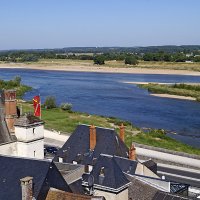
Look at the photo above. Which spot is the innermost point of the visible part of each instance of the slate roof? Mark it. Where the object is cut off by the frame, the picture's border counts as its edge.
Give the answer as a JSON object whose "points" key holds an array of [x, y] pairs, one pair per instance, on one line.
{"points": [[151, 165], [113, 180], [168, 196], [44, 173], [126, 165], [77, 146], [28, 120]]}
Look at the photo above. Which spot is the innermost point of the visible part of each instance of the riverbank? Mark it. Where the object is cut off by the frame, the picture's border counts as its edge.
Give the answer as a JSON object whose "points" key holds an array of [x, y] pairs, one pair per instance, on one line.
{"points": [[87, 66], [66, 122]]}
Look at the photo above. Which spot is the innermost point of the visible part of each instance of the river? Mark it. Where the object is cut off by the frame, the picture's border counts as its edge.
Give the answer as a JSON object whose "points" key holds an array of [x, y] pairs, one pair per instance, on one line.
{"points": [[107, 94]]}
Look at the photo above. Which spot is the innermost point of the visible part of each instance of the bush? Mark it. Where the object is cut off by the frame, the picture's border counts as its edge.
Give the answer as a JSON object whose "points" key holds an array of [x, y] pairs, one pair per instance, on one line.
{"points": [[66, 106], [50, 102], [131, 60], [99, 60]]}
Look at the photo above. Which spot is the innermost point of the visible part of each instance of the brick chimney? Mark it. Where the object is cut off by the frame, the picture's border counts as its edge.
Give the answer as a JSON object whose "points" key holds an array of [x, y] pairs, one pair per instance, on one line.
{"points": [[132, 152], [92, 137], [27, 188], [10, 108], [122, 132]]}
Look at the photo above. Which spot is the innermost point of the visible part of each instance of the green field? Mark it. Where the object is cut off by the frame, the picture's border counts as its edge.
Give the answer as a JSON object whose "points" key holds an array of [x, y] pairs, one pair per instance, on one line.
{"points": [[113, 64], [66, 122]]}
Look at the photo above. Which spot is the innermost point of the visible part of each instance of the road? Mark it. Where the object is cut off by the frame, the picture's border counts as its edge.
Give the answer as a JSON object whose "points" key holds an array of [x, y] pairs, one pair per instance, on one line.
{"points": [[180, 174]]}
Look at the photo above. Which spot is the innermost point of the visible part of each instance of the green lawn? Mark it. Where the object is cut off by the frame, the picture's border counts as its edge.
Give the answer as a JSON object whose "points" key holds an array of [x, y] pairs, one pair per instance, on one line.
{"points": [[66, 122]]}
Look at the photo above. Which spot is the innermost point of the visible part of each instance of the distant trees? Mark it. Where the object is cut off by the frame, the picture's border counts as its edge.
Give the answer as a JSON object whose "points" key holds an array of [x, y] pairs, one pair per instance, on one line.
{"points": [[100, 55]]}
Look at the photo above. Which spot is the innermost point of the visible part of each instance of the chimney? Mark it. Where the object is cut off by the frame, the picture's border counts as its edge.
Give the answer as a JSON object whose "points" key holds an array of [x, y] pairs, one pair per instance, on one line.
{"points": [[92, 137], [27, 188], [10, 108], [132, 152], [122, 132]]}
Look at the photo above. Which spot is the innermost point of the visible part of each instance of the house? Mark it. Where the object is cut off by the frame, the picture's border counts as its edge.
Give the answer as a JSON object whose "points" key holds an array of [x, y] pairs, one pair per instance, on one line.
{"points": [[87, 143], [19, 135], [106, 179], [19, 175]]}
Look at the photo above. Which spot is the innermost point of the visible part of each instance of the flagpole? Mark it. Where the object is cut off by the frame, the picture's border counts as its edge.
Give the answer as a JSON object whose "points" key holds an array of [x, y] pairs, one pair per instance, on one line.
{"points": [[40, 108]]}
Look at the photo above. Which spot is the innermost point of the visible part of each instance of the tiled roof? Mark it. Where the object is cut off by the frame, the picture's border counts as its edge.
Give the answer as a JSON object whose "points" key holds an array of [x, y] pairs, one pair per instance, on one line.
{"points": [[139, 190], [28, 120], [77, 147], [44, 173], [60, 195], [113, 178], [168, 196]]}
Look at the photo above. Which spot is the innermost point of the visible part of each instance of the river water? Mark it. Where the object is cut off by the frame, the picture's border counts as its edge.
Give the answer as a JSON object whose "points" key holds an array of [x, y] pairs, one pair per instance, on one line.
{"points": [[107, 94]]}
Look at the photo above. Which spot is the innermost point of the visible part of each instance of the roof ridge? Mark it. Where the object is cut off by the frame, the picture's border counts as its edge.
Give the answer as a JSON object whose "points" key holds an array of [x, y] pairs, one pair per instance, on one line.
{"points": [[100, 127]]}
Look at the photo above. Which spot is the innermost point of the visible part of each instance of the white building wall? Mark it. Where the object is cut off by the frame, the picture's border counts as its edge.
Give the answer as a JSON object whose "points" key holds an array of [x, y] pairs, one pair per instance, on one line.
{"points": [[33, 149], [9, 149], [143, 170], [29, 134]]}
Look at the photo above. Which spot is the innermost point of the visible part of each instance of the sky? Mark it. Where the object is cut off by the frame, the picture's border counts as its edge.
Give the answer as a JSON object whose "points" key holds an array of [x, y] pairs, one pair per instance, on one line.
{"points": [[37, 24]]}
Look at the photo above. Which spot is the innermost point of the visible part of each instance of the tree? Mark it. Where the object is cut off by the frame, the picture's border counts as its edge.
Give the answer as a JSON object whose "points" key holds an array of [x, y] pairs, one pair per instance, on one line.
{"points": [[131, 60], [50, 102], [99, 60]]}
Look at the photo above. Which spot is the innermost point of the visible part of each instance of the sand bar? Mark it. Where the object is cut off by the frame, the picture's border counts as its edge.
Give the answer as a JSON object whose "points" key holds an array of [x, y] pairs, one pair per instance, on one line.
{"points": [[146, 83], [174, 96], [100, 69]]}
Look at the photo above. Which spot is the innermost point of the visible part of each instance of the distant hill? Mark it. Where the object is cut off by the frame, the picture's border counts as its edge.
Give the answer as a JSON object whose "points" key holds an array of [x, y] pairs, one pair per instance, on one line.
{"points": [[152, 49]]}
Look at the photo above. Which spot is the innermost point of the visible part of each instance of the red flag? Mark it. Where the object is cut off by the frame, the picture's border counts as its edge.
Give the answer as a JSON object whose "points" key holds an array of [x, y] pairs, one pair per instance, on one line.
{"points": [[36, 105]]}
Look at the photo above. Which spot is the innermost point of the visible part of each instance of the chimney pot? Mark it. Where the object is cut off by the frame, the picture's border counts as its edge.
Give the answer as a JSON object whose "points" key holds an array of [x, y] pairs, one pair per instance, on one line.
{"points": [[92, 137], [27, 188], [132, 152], [122, 132]]}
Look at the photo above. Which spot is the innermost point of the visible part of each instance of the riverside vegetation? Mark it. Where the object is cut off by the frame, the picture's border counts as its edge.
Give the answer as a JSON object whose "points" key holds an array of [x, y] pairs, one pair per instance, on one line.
{"points": [[15, 84], [181, 89], [66, 122]]}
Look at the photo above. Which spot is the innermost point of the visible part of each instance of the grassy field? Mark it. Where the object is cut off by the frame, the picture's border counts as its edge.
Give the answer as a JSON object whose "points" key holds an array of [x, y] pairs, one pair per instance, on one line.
{"points": [[175, 89], [66, 122], [116, 64]]}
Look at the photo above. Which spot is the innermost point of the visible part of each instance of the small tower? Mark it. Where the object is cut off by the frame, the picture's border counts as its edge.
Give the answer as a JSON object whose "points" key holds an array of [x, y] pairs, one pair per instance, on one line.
{"points": [[29, 131]]}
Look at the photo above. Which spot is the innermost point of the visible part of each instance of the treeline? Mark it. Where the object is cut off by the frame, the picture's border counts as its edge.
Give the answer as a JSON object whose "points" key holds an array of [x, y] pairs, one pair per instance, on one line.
{"points": [[99, 58], [175, 57]]}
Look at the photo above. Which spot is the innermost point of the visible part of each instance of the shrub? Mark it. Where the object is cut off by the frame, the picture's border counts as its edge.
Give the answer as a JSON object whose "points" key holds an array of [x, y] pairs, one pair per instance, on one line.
{"points": [[66, 106], [50, 102], [99, 60], [131, 60]]}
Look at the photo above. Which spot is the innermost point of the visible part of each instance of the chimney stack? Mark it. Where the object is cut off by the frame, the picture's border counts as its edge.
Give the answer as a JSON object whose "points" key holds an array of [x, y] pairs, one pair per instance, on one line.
{"points": [[122, 132], [27, 188], [92, 137], [132, 152], [10, 108]]}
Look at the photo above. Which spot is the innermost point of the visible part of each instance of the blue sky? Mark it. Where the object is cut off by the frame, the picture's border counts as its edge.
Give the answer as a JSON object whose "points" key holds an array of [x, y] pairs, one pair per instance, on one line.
{"points": [[26, 24]]}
